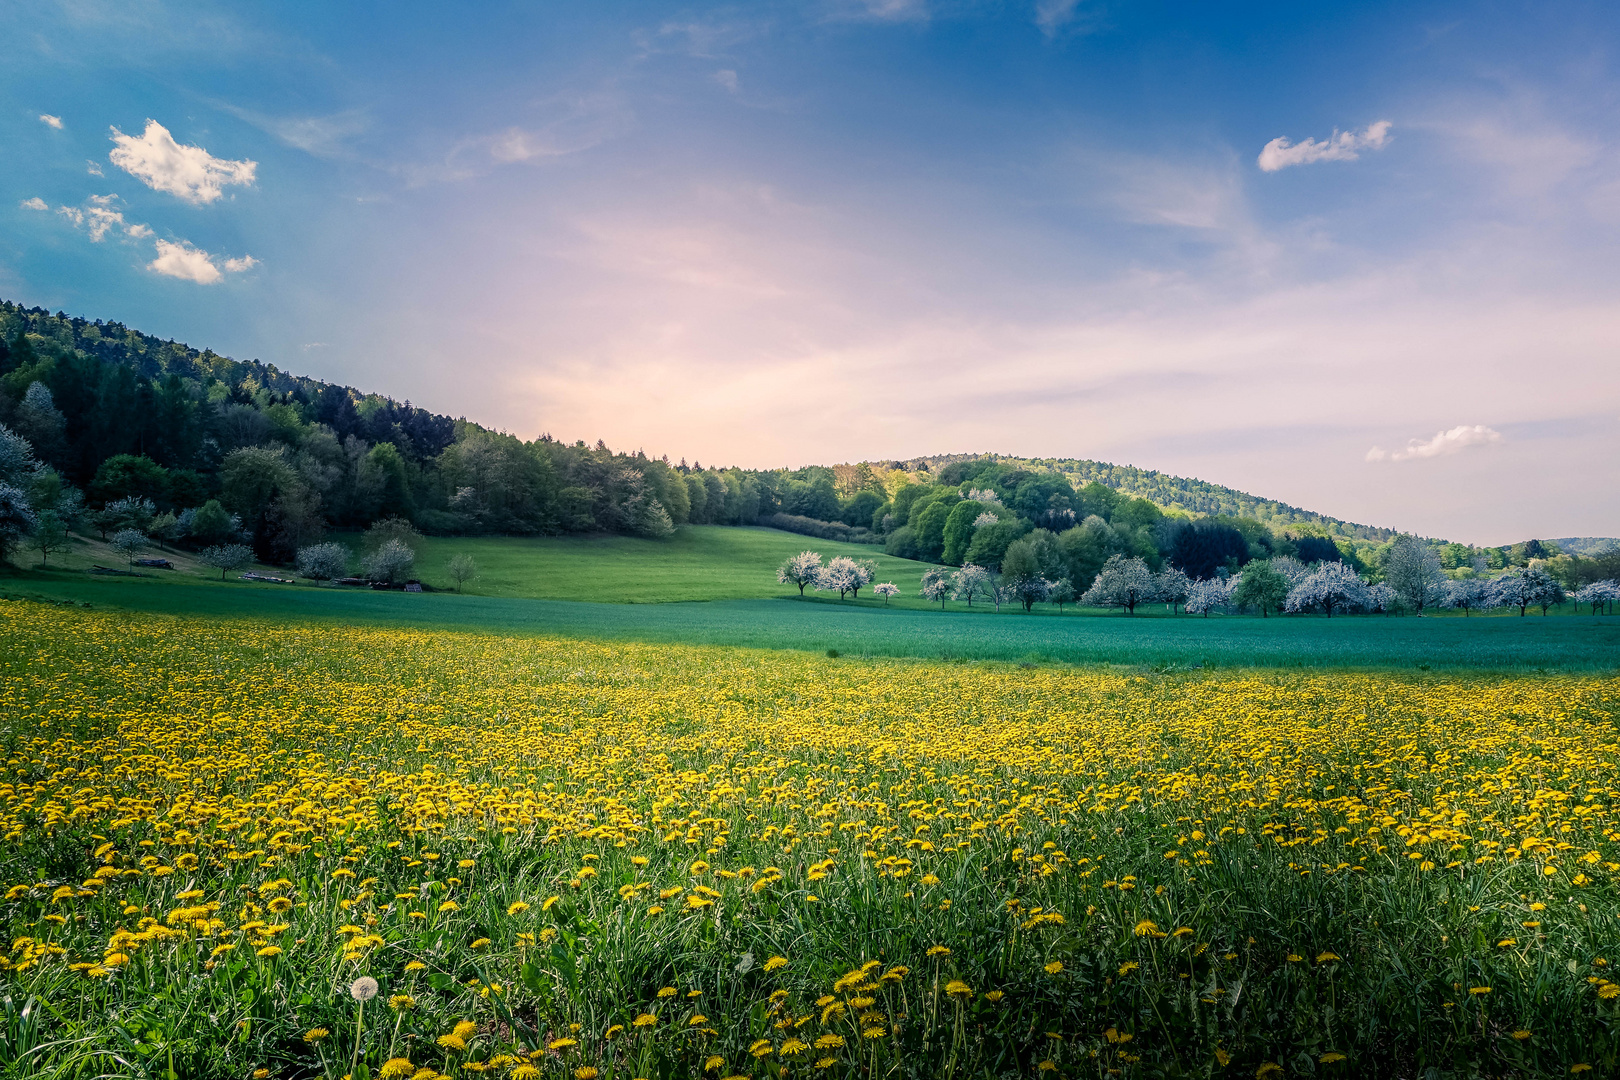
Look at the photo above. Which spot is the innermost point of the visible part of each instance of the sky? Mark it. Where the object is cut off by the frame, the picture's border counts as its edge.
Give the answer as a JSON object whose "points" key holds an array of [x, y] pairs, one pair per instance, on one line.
{"points": [[1357, 257]]}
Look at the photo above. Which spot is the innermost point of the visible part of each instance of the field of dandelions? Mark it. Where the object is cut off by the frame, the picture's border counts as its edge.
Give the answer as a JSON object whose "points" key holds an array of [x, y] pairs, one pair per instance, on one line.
{"points": [[246, 849]]}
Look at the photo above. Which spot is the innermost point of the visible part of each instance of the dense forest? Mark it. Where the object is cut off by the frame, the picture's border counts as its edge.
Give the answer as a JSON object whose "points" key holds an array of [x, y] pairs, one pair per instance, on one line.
{"points": [[111, 428]]}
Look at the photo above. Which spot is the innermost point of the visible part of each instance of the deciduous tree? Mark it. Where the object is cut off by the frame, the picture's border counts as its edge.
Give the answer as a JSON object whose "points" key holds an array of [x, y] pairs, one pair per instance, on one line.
{"points": [[1331, 585], [1123, 582], [226, 557], [802, 569]]}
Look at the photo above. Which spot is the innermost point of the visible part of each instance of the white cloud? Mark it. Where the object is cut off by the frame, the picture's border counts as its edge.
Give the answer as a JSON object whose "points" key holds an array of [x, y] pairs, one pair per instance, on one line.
{"points": [[882, 10], [727, 79], [102, 215], [1050, 15], [1280, 153], [51, 121], [236, 266], [570, 125], [93, 169], [36, 203], [1443, 444], [321, 136], [189, 172], [184, 262]]}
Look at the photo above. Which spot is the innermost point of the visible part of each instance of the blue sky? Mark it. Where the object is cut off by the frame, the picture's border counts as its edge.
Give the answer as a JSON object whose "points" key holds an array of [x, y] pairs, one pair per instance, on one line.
{"points": [[772, 234]]}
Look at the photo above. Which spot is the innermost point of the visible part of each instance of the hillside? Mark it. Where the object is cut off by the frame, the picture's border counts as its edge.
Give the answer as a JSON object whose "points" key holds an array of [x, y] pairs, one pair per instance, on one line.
{"points": [[123, 419], [1179, 493]]}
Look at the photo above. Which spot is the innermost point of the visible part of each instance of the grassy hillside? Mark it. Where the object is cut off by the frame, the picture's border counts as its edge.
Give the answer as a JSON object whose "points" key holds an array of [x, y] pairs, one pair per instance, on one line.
{"points": [[700, 562]]}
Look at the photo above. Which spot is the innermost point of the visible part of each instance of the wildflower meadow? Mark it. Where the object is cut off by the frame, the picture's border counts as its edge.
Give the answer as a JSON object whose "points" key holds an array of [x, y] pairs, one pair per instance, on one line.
{"points": [[240, 848]]}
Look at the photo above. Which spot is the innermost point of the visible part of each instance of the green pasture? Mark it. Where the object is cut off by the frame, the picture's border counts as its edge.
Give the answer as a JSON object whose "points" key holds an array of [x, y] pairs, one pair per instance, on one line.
{"points": [[1566, 643]]}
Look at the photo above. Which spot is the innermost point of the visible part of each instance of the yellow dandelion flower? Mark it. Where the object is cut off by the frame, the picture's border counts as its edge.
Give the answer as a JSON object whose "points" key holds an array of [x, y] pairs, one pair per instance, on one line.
{"points": [[645, 1020], [667, 992], [517, 907], [1145, 927], [396, 1067], [561, 1044], [316, 1034], [776, 962], [1054, 967], [585, 1072], [269, 950]]}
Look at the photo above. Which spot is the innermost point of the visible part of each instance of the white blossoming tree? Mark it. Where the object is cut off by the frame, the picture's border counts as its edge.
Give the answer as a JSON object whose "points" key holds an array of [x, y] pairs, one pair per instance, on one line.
{"points": [[1122, 583], [969, 582], [801, 570], [1332, 585], [1412, 569], [323, 562], [845, 576], [1469, 594], [886, 589], [1525, 587], [936, 585], [226, 557], [1597, 594], [129, 543], [1382, 598], [1215, 594], [1171, 586]]}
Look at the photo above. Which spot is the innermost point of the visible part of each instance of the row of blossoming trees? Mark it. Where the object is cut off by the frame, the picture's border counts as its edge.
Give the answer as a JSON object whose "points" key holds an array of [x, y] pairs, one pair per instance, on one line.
{"points": [[1413, 581]]}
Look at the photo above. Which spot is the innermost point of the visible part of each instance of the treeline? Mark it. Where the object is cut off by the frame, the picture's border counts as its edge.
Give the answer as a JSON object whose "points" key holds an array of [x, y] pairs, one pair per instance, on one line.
{"points": [[151, 430], [130, 432], [1181, 493]]}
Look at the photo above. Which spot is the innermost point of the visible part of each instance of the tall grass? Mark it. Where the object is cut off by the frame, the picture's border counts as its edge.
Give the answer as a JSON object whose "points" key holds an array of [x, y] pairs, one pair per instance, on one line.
{"points": [[652, 860]]}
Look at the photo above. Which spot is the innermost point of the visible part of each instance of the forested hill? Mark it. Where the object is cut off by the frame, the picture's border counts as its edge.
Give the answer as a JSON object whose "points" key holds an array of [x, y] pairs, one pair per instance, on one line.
{"points": [[112, 430], [120, 390], [1180, 493]]}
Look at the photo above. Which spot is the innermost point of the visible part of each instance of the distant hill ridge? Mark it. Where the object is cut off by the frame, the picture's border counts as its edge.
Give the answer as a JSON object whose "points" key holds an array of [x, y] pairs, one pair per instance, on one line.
{"points": [[1179, 492]]}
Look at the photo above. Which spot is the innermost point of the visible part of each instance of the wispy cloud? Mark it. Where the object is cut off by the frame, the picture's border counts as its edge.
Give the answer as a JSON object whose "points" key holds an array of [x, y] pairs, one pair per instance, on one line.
{"points": [[570, 124], [236, 266], [1280, 152], [881, 10], [727, 78], [189, 172], [93, 169], [320, 136], [36, 203], [101, 215], [51, 121], [1444, 444], [1052, 15]]}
